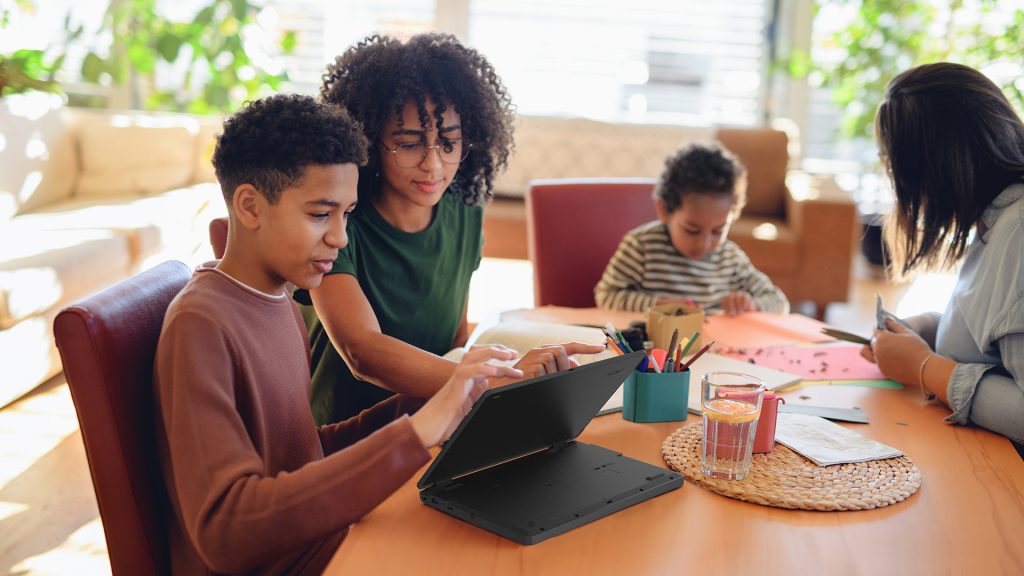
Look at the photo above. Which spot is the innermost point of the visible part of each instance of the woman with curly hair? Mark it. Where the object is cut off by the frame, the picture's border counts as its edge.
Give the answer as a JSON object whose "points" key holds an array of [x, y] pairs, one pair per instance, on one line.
{"points": [[954, 149], [439, 121]]}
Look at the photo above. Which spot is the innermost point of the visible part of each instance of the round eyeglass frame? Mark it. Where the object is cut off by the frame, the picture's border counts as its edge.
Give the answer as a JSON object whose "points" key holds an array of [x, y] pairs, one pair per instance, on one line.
{"points": [[466, 147]]}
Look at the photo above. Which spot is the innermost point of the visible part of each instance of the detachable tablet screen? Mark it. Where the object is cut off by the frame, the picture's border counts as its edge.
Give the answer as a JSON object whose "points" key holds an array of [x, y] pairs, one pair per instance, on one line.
{"points": [[528, 416]]}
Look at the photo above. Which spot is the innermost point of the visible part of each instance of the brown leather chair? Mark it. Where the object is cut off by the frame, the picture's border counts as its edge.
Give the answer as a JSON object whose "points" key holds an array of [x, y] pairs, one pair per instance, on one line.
{"points": [[219, 236], [799, 229], [574, 226], [107, 343]]}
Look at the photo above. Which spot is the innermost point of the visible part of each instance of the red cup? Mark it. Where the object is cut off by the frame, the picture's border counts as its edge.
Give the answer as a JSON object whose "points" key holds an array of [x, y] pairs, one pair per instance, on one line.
{"points": [[764, 438]]}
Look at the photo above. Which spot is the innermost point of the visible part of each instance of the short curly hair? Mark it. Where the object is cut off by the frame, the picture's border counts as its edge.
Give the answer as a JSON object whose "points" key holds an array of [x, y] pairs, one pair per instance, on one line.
{"points": [[376, 77], [269, 143], [701, 169]]}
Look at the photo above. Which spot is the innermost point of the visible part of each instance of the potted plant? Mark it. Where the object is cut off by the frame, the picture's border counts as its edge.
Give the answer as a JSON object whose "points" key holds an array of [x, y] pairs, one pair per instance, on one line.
{"points": [[222, 65]]}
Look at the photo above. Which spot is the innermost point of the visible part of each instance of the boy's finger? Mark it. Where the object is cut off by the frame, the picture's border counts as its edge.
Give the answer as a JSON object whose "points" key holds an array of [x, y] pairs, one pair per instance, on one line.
{"points": [[489, 352], [560, 357], [581, 348]]}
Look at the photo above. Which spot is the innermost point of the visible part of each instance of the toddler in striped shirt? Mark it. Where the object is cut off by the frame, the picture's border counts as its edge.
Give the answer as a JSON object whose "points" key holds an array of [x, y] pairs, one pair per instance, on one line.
{"points": [[685, 256]]}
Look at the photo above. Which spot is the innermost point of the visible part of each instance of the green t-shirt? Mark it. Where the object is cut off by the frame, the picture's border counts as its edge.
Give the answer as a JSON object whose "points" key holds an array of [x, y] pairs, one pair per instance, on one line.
{"points": [[416, 283]]}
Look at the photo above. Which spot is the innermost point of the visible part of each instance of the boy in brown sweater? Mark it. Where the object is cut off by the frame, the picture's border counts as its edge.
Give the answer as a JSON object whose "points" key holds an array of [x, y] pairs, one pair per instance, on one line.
{"points": [[254, 486]]}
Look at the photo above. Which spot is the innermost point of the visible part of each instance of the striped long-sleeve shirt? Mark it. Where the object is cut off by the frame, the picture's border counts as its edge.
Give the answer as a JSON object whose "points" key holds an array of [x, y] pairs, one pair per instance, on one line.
{"points": [[646, 267]]}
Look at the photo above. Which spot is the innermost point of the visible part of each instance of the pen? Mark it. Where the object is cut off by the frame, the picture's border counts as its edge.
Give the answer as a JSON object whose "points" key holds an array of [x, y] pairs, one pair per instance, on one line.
{"points": [[618, 337], [612, 345], [690, 343], [622, 340], [698, 354], [672, 345]]}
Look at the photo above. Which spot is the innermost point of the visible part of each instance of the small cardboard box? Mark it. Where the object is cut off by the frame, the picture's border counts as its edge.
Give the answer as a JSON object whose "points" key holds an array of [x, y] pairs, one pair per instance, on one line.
{"points": [[662, 320]]}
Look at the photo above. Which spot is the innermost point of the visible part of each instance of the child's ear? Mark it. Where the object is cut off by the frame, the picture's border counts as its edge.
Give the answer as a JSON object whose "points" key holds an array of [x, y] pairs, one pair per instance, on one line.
{"points": [[659, 207], [247, 205]]}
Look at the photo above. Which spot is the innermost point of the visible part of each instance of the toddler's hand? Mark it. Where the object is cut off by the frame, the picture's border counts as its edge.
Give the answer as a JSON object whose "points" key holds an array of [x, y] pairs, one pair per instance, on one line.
{"points": [[737, 303], [439, 417]]}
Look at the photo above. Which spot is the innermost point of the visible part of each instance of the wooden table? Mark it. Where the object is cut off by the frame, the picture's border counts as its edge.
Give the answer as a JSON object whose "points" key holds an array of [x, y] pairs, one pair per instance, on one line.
{"points": [[967, 518]]}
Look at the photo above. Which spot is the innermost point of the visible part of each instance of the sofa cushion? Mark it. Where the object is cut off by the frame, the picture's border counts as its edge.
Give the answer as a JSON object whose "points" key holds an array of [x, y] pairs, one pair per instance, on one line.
{"points": [[147, 223], [206, 140], [36, 152], [550, 147], [44, 268], [131, 154]]}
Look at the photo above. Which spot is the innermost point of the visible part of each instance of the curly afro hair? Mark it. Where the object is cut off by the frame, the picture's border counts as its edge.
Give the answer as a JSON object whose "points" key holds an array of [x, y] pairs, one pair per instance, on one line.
{"points": [[269, 143], [376, 77], [701, 169]]}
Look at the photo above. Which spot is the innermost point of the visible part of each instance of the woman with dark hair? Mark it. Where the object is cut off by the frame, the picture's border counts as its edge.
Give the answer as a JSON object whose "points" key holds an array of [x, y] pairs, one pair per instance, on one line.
{"points": [[439, 121], [954, 148]]}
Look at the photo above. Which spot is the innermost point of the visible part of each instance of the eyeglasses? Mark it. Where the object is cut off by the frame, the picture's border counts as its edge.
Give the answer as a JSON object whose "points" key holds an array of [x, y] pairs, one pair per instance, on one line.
{"points": [[410, 154]]}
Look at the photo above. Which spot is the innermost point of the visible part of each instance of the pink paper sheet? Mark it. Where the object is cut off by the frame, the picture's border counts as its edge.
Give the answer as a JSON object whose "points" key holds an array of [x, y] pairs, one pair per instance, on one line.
{"points": [[839, 362], [763, 329]]}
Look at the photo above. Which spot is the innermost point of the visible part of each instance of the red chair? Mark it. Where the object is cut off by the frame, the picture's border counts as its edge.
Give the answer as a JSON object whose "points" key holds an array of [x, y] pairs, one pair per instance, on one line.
{"points": [[573, 227], [219, 236], [107, 343]]}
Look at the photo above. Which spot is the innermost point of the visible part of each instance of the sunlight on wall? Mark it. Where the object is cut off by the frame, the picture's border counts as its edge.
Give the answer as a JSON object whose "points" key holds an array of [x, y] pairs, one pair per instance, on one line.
{"points": [[84, 552], [500, 284], [929, 293]]}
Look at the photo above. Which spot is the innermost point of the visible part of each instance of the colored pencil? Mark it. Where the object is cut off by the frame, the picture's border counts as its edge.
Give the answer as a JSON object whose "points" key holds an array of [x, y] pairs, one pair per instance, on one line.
{"points": [[698, 354]]}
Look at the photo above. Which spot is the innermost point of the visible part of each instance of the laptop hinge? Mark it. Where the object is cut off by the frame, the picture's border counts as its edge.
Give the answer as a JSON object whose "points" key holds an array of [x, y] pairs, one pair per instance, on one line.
{"points": [[441, 483], [560, 445]]}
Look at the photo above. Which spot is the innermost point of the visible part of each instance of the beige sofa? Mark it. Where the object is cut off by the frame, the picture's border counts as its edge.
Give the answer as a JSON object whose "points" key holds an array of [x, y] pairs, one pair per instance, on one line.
{"points": [[88, 198]]}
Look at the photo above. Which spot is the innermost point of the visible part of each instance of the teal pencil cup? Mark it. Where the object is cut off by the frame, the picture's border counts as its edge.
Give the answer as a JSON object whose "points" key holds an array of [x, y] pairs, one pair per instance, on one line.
{"points": [[653, 397]]}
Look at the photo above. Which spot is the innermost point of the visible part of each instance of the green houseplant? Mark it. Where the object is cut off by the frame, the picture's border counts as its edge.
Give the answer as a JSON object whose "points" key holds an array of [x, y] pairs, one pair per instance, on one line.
{"points": [[213, 58], [28, 69], [885, 37]]}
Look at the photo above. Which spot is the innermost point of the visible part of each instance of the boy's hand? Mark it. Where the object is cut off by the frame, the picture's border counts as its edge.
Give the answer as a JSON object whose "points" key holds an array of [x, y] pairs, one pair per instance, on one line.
{"points": [[553, 358], [439, 417], [737, 303], [898, 352]]}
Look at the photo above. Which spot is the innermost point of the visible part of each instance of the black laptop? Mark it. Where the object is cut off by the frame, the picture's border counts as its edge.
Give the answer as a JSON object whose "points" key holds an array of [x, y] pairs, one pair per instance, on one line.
{"points": [[513, 466]]}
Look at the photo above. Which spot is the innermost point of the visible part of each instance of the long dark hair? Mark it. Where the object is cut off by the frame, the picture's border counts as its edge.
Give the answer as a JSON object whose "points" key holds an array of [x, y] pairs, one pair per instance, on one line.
{"points": [[376, 77], [952, 142]]}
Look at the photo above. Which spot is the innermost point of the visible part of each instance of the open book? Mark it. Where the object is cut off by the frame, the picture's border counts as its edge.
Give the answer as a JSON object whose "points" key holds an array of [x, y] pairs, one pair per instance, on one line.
{"points": [[524, 335]]}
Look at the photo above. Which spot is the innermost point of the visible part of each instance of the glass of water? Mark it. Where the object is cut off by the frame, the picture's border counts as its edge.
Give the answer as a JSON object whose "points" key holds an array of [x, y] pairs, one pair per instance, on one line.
{"points": [[731, 405]]}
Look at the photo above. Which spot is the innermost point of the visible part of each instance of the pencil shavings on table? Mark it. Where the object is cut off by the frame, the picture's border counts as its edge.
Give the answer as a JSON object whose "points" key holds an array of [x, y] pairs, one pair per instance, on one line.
{"points": [[833, 362], [784, 479]]}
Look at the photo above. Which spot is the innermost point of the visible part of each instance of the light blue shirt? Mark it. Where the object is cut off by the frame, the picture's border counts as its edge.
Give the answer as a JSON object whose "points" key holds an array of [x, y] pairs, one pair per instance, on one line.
{"points": [[983, 326]]}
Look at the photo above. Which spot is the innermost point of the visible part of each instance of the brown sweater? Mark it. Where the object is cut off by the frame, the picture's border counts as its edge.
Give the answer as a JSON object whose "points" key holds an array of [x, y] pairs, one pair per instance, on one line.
{"points": [[250, 487]]}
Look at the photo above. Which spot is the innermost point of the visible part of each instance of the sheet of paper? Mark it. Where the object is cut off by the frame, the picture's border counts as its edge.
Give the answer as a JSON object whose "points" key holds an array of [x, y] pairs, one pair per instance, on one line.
{"points": [[764, 329], [826, 443], [852, 414], [839, 362]]}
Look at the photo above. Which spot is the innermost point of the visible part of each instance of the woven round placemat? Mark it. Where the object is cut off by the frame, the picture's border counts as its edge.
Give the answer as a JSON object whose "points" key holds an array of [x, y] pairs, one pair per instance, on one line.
{"points": [[785, 479]]}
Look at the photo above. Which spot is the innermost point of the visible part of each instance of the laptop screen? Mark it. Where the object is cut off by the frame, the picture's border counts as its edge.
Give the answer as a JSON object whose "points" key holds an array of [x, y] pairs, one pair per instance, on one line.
{"points": [[528, 416]]}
